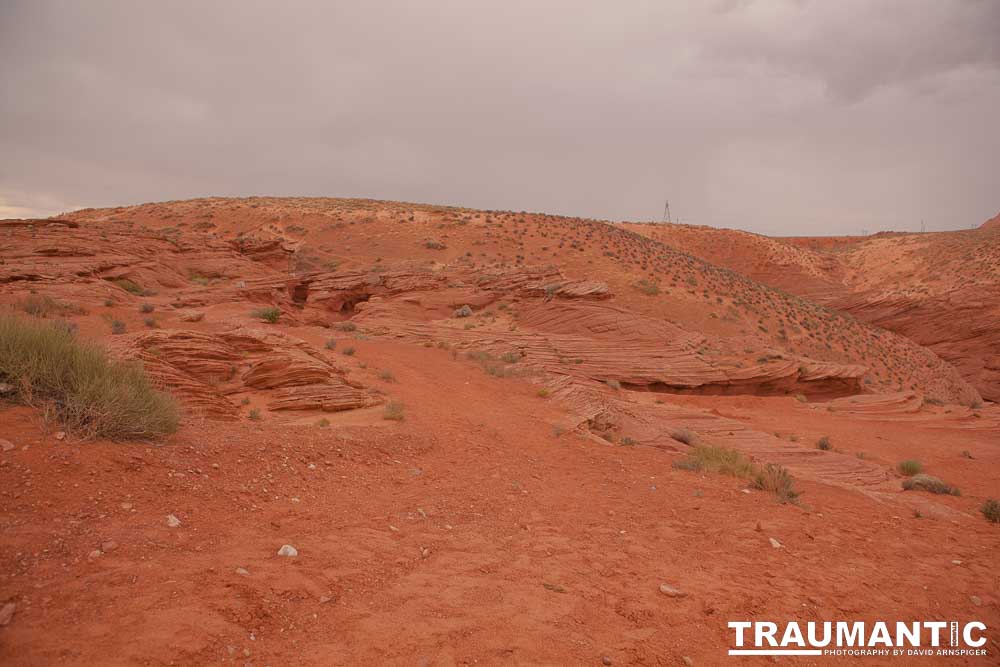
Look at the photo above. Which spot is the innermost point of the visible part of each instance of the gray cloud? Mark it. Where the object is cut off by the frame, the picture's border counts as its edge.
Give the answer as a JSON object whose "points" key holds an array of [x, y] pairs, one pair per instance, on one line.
{"points": [[778, 117]]}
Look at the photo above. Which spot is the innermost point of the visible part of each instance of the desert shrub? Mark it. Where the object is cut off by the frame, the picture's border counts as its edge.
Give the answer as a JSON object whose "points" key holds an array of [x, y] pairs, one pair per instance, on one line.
{"points": [[910, 467], [254, 414], [708, 458], [331, 344], [387, 376], [432, 244], [323, 423], [393, 411], [628, 442], [109, 302], [824, 444], [147, 308], [348, 351], [117, 327], [464, 311], [777, 480], [930, 484], [544, 393], [129, 286], [684, 435], [150, 322], [647, 287], [510, 357], [991, 510], [44, 306], [271, 314], [347, 326], [90, 393]]}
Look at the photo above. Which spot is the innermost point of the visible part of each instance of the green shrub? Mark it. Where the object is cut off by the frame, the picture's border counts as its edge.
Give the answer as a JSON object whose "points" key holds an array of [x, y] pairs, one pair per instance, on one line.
{"points": [[393, 411], [347, 326], [777, 480], [991, 510], [117, 327], [824, 444], [254, 415], [910, 467], [348, 351], [90, 393], [708, 458], [271, 314], [331, 344], [147, 308], [930, 484], [129, 286]]}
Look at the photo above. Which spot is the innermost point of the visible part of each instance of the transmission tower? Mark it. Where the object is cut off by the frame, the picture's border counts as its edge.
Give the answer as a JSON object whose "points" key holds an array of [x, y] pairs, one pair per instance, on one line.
{"points": [[666, 211]]}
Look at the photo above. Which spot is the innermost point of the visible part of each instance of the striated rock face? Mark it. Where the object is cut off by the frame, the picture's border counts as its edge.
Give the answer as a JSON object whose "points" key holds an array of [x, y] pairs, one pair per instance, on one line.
{"points": [[941, 290], [206, 369]]}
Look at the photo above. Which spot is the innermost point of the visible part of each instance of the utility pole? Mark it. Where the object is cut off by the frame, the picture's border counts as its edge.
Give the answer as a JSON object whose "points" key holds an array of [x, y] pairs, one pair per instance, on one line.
{"points": [[666, 211], [922, 229]]}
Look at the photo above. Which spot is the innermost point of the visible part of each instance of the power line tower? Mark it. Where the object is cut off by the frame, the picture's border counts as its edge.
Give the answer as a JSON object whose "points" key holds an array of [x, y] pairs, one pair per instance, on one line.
{"points": [[922, 228], [666, 211]]}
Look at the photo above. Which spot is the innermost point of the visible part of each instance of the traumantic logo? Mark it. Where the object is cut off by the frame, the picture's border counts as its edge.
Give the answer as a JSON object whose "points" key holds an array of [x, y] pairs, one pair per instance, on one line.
{"points": [[856, 638]]}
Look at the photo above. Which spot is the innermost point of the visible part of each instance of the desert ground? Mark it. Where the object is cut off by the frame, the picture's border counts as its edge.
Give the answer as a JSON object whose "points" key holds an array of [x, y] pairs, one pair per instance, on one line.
{"points": [[493, 437]]}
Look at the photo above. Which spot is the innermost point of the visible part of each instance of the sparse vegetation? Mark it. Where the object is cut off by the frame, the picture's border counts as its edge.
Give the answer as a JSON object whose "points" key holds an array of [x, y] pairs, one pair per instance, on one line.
{"points": [[45, 306], [709, 458], [777, 480], [147, 308], [685, 436], [930, 484], [346, 326], [117, 327], [991, 510], [255, 415], [386, 376], [393, 411], [824, 444], [130, 286], [910, 467], [330, 344], [348, 351], [544, 393], [78, 383], [271, 314]]}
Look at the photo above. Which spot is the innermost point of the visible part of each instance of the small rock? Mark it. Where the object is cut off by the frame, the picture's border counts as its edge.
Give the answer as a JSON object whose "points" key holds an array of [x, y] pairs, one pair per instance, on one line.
{"points": [[60, 435], [976, 600], [7, 613], [425, 552], [96, 553], [6, 388], [108, 546], [126, 506], [243, 572], [775, 543], [956, 562], [758, 527], [172, 521], [671, 591], [605, 660], [6, 445], [688, 662], [323, 599], [288, 550]]}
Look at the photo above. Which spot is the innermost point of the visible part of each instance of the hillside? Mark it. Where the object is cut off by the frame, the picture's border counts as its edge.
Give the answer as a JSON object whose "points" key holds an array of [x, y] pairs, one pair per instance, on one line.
{"points": [[941, 290], [476, 428]]}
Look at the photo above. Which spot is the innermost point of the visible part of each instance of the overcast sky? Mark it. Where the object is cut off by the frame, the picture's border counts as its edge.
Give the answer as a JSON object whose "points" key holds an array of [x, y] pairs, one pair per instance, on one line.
{"points": [[776, 116]]}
